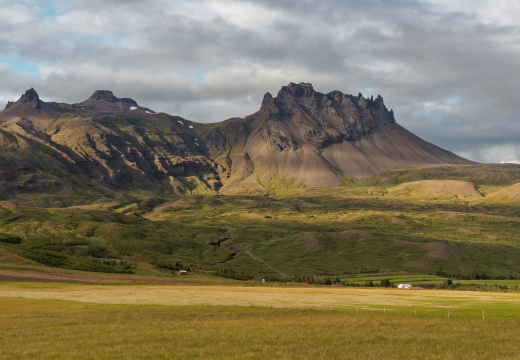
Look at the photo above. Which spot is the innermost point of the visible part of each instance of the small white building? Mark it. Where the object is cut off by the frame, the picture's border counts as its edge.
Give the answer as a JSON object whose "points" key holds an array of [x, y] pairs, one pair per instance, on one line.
{"points": [[405, 286]]}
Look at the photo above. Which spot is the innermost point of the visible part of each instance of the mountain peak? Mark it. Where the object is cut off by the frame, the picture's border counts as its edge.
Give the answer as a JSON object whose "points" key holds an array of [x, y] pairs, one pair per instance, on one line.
{"points": [[28, 100], [297, 90], [30, 106], [269, 104], [107, 95], [30, 96]]}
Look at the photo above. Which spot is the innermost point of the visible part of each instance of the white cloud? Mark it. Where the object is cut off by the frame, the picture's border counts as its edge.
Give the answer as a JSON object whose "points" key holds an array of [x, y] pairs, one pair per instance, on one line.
{"points": [[16, 13], [447, 68], [503, 153], [501, 12]]}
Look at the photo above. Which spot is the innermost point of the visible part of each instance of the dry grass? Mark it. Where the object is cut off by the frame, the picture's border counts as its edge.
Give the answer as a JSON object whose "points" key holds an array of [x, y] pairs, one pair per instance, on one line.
{"points": [[436, 188], [50, 329], [431, 302]]}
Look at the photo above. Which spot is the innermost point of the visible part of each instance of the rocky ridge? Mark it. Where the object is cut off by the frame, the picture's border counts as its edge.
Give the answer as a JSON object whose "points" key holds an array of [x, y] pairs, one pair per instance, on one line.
{"points": [[300, 136], [316, 139]]}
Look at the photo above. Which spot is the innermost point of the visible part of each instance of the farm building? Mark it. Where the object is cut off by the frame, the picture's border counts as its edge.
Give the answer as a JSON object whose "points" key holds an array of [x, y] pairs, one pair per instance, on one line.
{"points": [[183, 272], [405, 286]]}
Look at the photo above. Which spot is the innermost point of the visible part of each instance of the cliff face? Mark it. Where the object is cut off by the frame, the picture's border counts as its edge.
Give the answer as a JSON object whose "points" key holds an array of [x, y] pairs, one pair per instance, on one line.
{"points": [[320, 120], [299, 136]]}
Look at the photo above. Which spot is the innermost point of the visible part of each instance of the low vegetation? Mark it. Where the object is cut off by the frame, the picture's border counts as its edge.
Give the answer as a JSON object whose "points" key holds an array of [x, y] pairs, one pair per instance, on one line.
{"points": [[63, 330], [377, 226]]}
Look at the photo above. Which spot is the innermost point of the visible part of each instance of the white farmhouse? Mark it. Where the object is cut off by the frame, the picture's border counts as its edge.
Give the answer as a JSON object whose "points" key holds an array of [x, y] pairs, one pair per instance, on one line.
{"points": [[404, 286]]}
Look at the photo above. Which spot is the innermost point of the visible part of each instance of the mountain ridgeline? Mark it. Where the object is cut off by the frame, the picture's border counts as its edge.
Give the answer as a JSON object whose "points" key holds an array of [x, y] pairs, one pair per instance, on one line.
{"points": [[105, 145]]}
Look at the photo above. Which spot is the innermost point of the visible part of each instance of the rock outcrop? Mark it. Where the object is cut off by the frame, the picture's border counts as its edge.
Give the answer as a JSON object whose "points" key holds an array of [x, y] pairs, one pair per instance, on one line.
{"points": [[105, 100]]}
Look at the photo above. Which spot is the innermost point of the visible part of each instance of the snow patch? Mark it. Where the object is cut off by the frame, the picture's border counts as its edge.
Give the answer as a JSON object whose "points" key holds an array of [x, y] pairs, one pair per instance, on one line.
{"points": [[196, 143], [150, 112], [132, 108], [180, 122], [191, 127]]}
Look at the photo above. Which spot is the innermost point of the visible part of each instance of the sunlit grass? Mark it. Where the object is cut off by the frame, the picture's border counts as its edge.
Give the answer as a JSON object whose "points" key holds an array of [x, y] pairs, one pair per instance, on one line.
{"points": [[50, 329], [436, 303], [330, 231]]}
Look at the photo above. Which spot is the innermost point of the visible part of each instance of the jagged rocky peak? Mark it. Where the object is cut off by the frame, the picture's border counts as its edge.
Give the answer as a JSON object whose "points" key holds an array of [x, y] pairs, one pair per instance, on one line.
{"points": [[295, 97], [297, 90], [269, 104], [107, 95], [30, 96], [29, 99], [30, 106]]}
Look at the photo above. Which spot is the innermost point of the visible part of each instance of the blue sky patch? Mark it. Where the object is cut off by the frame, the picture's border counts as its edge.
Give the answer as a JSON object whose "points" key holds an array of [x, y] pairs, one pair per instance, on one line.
{"points": [[51, 13], [20, 64], [197, 78]]}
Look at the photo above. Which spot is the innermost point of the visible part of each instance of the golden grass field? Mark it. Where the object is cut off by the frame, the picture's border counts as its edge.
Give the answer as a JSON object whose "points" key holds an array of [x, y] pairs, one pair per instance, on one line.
{"points": [[426, 302], [129, 321], [55, 329]]}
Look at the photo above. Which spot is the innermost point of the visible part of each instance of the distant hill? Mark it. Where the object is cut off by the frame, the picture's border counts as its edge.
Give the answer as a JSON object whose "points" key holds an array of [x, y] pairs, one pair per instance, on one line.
{"points": [[102, 146], [109, 145], [107, 185], [436, 188]]}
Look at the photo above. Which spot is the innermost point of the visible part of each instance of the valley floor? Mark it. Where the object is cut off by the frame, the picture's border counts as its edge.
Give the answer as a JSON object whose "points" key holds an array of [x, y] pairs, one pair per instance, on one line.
{"points": [[434, 303], [58, 329]]}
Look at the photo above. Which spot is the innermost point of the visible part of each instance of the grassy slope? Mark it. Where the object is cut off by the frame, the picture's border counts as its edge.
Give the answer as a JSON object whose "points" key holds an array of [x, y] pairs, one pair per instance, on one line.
{"points": [[479, 174], [319, 230], [102, 240], [352, 230]]}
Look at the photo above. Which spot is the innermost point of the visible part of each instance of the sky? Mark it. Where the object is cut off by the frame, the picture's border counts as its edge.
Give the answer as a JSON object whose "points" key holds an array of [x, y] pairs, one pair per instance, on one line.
{"points": [[450, 69]]}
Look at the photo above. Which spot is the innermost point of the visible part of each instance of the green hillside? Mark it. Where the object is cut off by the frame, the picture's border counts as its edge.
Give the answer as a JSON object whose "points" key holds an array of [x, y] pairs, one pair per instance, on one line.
{"points": [[452, 228]]}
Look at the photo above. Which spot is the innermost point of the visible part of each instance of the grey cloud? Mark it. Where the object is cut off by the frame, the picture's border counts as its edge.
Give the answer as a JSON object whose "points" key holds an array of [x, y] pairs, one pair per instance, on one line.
{"points": [[450, 77]]}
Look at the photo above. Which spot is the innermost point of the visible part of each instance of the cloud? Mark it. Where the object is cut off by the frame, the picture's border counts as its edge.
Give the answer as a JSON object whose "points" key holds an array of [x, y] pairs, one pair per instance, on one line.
{"points": [[448, 69]]}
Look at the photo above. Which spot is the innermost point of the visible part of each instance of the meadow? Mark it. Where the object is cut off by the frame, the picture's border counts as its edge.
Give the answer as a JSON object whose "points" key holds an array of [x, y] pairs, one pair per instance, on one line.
{"points": [[326, 231], [44, 328], [58, 301], [433, 303]]}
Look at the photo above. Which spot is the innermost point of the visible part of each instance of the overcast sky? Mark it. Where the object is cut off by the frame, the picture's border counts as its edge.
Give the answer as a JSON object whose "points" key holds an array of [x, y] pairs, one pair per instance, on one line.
{"points": [[450, 69]]}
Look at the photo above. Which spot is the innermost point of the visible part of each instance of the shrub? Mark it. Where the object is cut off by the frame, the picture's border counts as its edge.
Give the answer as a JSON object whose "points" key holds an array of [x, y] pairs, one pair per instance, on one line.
{"points": [[9, 239], [48, 258], [385, 283], [98, 251]]}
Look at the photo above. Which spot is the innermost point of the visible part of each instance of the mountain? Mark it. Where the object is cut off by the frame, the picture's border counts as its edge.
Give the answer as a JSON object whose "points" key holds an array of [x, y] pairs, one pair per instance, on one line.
{"points": [[316, 139], [108, 145], [96, 147], [93, 187]]}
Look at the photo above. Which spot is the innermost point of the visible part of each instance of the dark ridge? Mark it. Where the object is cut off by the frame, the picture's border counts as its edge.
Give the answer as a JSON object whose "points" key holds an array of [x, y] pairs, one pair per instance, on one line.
{"points": [[297, 90], [30, 96], [107, 95]]}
